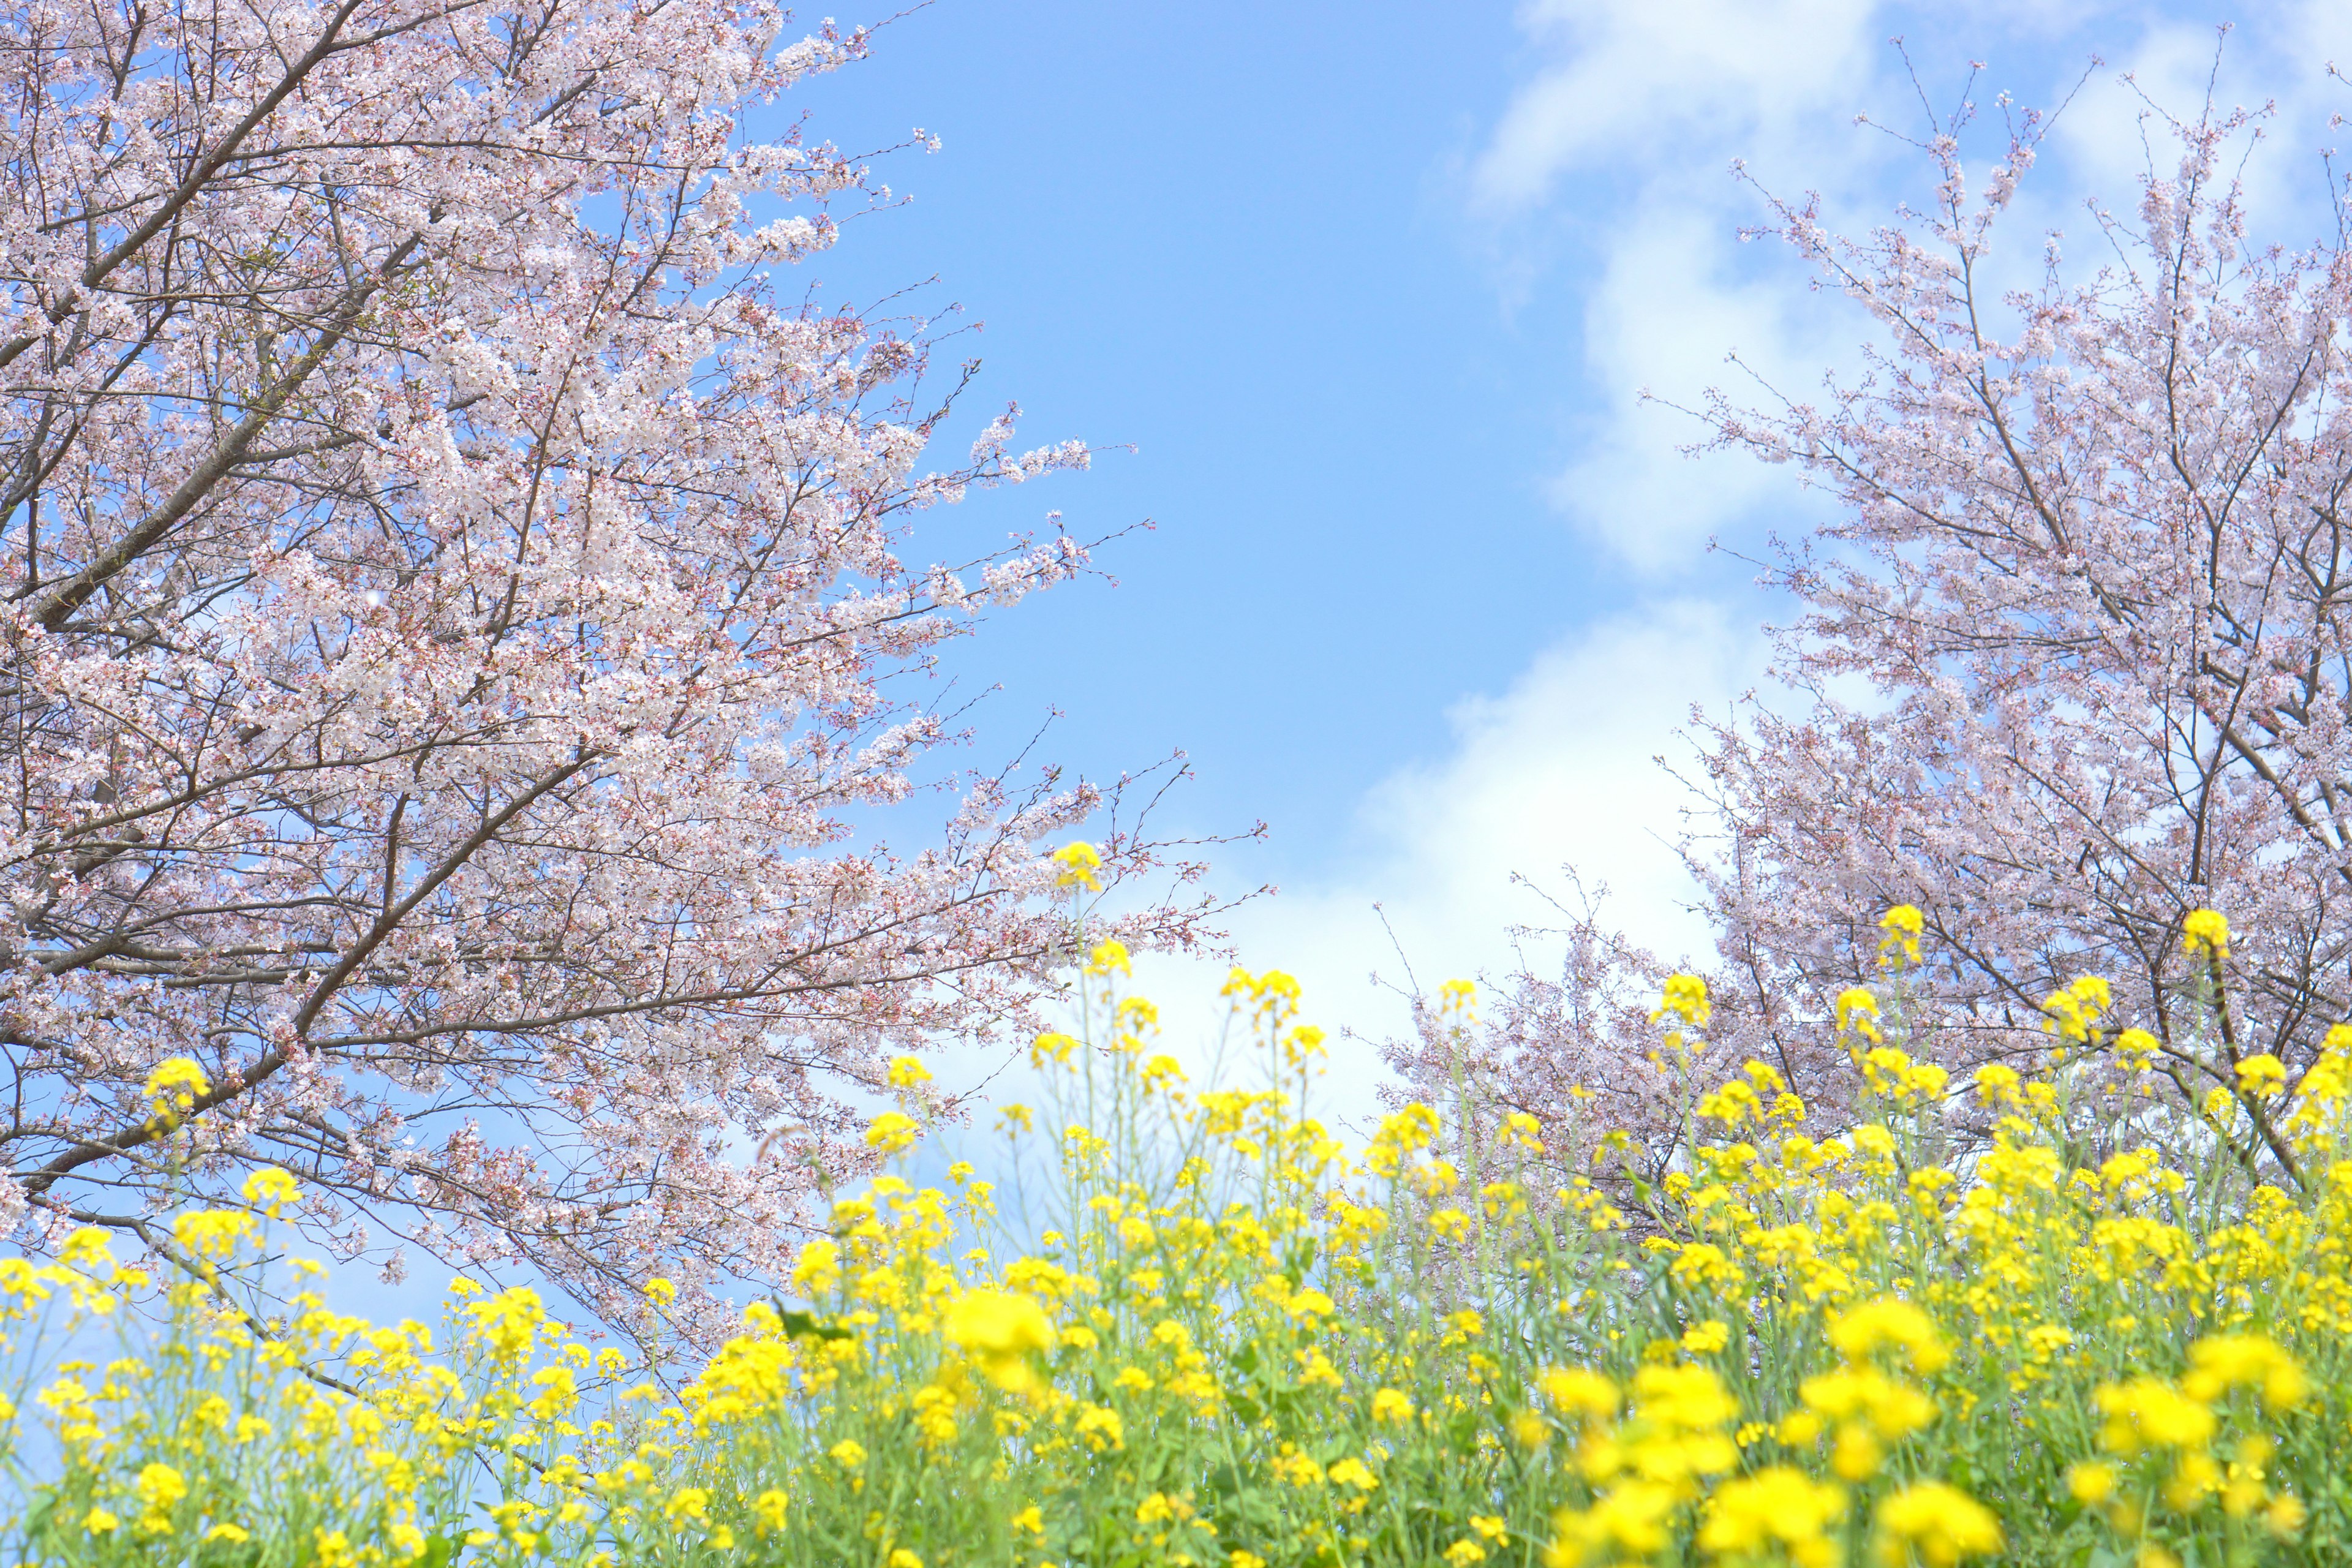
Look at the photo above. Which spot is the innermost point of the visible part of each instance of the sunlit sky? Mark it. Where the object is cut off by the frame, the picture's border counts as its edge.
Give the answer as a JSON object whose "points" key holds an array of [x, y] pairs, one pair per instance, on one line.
{"points": [[1371, 291]]}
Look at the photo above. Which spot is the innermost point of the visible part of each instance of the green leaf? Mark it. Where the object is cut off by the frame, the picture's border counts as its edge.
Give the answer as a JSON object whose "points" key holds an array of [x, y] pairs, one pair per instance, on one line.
{"points": [[804, 1325]]}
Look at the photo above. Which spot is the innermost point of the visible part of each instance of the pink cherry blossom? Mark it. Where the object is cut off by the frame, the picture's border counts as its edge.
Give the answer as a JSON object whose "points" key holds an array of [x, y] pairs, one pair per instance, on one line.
{"points": [[453, 578]]}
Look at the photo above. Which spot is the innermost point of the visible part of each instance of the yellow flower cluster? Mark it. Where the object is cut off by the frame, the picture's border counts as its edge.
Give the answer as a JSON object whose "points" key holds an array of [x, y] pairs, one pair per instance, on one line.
{"points": [[1963, 1325]]}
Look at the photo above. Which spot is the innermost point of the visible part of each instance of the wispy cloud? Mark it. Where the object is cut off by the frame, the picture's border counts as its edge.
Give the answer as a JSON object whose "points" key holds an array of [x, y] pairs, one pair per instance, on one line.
{"points": [[1636, 88]]}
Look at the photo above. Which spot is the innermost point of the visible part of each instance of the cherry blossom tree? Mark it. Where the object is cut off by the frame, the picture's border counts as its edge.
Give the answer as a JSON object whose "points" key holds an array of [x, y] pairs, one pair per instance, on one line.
{"points": [[2074, 661], [454, 617]]}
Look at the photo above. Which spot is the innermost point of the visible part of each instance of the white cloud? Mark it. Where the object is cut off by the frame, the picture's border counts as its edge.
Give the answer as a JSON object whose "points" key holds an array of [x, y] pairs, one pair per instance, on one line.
{"points": [[1617, 147], [1638, 116], [1636, 85], [1663, 316], [1556, 769]]}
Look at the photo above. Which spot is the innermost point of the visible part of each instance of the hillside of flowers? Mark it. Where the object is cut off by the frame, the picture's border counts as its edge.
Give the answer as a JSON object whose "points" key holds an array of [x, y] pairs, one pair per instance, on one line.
{"points": [[1186, 1325]]}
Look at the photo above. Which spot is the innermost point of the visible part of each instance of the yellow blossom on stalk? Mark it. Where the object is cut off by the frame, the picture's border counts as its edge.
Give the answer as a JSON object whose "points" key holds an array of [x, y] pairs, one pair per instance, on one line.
{"points": [[906, 1072], [212, 1233], [2262, 1077], [1458, 998], [1107, 958], [1579, 1394], [1902, 924], [270, 1189], [1686, 998], [1523, 1130], [817, 1269], [2284, 1516], [2137, 1047], [2148, 1412], [2223, 1362], [1997, 1084], [89, 1249], [1706, 1338], [1297, 1468], [1627, 1522], [849, 1454], [1777, 1506], [1079, 861], [173, 1085], [508, 1324], [1857, 1012], [1939, 1524], [1000, 1330], [892, 1132], [1101, 1429], [2074, 1011], [2205, 931], [1890, 1321], [161, 1489], [2091, 1482], [1390, 1406]]}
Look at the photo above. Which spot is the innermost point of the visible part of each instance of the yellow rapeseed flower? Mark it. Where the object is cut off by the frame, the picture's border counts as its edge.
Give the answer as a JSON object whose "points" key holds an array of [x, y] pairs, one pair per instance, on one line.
{"points": [[2091, 1482], [2205, 931], [1890, 1321], [1777, 1506], [175, 1083], [2148, 1412], [1857, 1012], [270, 1189], [1684, 998], [1902, 924], [1079, 861], [891, 1133], [1941, 1525], [2223, 1362], [2262, 1077]]}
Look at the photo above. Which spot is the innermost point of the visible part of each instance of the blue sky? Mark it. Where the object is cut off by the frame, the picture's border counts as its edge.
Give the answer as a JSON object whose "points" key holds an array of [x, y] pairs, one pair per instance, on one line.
{"points": [[1229, 235], [1371, 289]]}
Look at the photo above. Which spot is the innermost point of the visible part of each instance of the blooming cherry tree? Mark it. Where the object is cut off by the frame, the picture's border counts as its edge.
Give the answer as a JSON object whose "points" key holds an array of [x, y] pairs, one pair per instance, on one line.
{"points": [[2073, 661], [451, 588]]}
